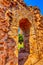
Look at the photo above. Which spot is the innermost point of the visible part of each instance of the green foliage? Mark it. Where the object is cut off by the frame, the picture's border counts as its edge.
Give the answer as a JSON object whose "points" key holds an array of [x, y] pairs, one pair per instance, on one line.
{"points": [[20, 46], [20, 38]]}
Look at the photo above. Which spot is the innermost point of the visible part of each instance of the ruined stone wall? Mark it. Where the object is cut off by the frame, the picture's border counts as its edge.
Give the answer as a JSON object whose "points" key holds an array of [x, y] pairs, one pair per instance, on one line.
{"points": [[8, 46], [10, 14], [36, 38]]}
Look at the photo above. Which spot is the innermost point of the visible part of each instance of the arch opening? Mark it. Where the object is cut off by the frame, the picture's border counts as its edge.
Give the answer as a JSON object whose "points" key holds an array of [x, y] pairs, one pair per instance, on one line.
{"points": [[24, 26]]}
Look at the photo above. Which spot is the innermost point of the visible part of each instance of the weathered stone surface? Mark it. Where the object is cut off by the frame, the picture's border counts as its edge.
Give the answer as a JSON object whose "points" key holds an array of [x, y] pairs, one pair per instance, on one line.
{"points": [[11, 12]]}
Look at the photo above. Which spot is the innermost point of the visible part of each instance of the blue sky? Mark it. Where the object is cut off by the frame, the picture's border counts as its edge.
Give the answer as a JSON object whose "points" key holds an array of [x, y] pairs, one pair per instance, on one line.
{"points": [[38, 3]]}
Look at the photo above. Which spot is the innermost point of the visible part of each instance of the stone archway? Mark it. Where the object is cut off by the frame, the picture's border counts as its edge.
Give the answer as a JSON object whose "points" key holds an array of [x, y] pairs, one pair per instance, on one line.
{"points": [[16, 16], [13, 14], [23, 54]]}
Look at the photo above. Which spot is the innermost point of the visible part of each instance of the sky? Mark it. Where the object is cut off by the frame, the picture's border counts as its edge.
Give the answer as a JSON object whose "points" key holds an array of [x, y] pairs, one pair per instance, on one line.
{"points": [[38, 3]]}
